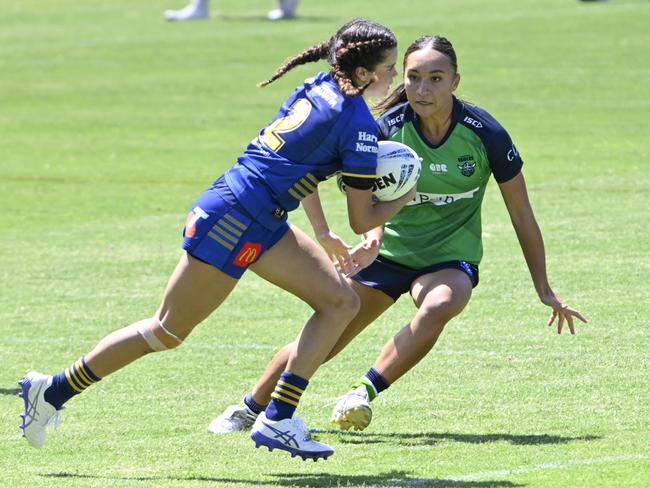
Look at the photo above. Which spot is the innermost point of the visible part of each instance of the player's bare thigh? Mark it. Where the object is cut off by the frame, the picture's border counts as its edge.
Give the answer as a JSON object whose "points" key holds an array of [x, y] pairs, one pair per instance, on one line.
{"points": [[300, 266], [445, 292], [193, 292]]}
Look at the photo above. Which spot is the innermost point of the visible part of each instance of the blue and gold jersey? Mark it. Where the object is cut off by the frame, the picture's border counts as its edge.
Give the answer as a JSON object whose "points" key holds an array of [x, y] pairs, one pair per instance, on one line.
{"points": [[316, 133]]}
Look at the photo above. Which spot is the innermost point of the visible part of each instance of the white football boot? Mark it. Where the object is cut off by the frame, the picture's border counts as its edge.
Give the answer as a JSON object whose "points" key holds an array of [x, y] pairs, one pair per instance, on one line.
{"points": [[195, 10], [37, 413], [286, 10], [233, 419], [290, 435], [353, 410]]}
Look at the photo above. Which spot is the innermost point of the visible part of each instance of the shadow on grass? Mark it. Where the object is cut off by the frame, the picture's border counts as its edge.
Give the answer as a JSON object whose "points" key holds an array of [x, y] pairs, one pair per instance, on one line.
{"points": [[392, 478], [432, 438], [9, 391]]}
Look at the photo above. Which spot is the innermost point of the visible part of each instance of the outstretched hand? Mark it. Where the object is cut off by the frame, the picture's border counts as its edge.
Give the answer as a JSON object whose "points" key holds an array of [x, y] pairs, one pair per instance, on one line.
{"points": [[562, 312], [337, 249]]}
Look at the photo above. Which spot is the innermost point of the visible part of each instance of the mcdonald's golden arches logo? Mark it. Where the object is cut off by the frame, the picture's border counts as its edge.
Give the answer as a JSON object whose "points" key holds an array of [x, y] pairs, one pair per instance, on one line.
{"points": [[249, 253]]}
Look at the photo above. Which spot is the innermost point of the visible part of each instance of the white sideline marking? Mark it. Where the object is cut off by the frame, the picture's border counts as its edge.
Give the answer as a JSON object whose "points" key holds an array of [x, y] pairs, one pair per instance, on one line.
{"points": [[553, 465]]}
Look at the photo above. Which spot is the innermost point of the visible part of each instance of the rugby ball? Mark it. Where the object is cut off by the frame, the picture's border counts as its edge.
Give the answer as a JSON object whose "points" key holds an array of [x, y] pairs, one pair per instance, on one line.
{"points": [[398, 170]]}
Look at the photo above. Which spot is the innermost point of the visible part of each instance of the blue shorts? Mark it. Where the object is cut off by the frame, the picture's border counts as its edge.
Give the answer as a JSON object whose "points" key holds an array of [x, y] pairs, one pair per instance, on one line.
{"points": [[395, 279], [218, 231]]}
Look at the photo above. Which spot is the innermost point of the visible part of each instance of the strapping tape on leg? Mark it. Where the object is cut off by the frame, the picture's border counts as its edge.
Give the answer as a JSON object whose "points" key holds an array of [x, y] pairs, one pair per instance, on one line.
{"points": [[157, 336]]}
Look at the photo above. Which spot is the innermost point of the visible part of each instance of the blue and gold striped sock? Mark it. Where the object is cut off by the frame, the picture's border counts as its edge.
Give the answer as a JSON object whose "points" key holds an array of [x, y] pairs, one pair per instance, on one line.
{"points": [[286, 396], [70, 382]]}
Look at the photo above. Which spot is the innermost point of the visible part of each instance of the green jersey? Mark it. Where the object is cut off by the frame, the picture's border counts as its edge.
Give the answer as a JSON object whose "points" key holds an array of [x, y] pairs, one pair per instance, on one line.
{"points": [[443, 222]]}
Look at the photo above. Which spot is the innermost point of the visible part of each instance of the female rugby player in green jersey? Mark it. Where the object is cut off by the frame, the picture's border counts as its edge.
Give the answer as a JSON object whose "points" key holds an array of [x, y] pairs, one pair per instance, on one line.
{"points": [[432, 247], [323, 128]]}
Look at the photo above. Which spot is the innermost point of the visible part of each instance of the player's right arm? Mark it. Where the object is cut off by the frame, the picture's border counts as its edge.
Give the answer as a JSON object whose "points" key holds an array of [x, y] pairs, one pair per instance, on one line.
{"points": [[358, 149], [334, 246], [364, 214]]}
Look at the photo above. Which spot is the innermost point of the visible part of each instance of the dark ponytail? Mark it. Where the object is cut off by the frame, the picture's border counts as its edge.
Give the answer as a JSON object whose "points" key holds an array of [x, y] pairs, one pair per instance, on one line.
{"points": [[360, 42], [311, 55]]}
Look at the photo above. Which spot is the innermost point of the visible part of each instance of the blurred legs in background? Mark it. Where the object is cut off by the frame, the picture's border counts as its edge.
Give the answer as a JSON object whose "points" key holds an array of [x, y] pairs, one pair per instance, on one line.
{"points": [[195, 10], [200, 9], [286, 10]]}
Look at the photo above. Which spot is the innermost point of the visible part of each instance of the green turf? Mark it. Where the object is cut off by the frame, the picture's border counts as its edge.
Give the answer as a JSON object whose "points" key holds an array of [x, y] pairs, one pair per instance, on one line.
{"points": [[111, 123]]}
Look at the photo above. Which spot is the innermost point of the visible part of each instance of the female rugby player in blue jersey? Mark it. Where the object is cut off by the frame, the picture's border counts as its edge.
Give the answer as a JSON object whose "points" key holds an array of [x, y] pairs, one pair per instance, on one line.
{"points": [[240, 222], [432, 248]]}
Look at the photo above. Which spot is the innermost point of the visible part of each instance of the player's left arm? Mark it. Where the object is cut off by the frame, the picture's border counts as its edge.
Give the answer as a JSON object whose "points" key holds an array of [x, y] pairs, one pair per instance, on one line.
{"points": [[530, 238], [334, 246]]}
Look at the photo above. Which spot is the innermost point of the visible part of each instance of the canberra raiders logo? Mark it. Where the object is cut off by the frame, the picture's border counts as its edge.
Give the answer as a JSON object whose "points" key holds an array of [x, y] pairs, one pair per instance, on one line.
{"points": [[466, 165]]}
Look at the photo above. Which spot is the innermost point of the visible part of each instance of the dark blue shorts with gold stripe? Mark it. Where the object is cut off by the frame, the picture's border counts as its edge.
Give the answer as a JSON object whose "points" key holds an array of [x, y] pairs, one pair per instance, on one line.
{"points": [[221, 233]]}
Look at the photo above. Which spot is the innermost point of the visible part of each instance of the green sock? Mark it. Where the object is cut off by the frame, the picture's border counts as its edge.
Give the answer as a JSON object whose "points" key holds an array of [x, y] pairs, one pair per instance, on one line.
{"points": [[372, 393]]}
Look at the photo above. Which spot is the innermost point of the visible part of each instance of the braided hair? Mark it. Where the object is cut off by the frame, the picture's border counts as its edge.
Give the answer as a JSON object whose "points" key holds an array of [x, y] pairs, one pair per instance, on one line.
{"points": [[360, 42]]}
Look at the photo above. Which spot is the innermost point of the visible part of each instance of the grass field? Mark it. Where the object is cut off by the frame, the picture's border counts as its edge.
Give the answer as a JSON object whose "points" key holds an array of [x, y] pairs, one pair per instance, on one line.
{"points": [[111, 123]]}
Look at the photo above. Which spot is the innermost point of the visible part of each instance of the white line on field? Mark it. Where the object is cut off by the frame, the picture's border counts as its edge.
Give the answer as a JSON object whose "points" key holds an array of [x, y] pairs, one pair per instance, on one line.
{"points": [[553, 465]]}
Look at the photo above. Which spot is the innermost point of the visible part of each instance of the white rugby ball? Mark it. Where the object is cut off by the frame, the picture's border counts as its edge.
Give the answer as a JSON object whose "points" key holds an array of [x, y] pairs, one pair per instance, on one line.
{"points": [[398, 170]]}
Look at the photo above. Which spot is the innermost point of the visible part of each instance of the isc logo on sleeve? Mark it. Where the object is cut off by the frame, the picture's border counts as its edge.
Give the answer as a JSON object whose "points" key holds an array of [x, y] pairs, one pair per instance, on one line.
{"points": [[473, 122]]}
